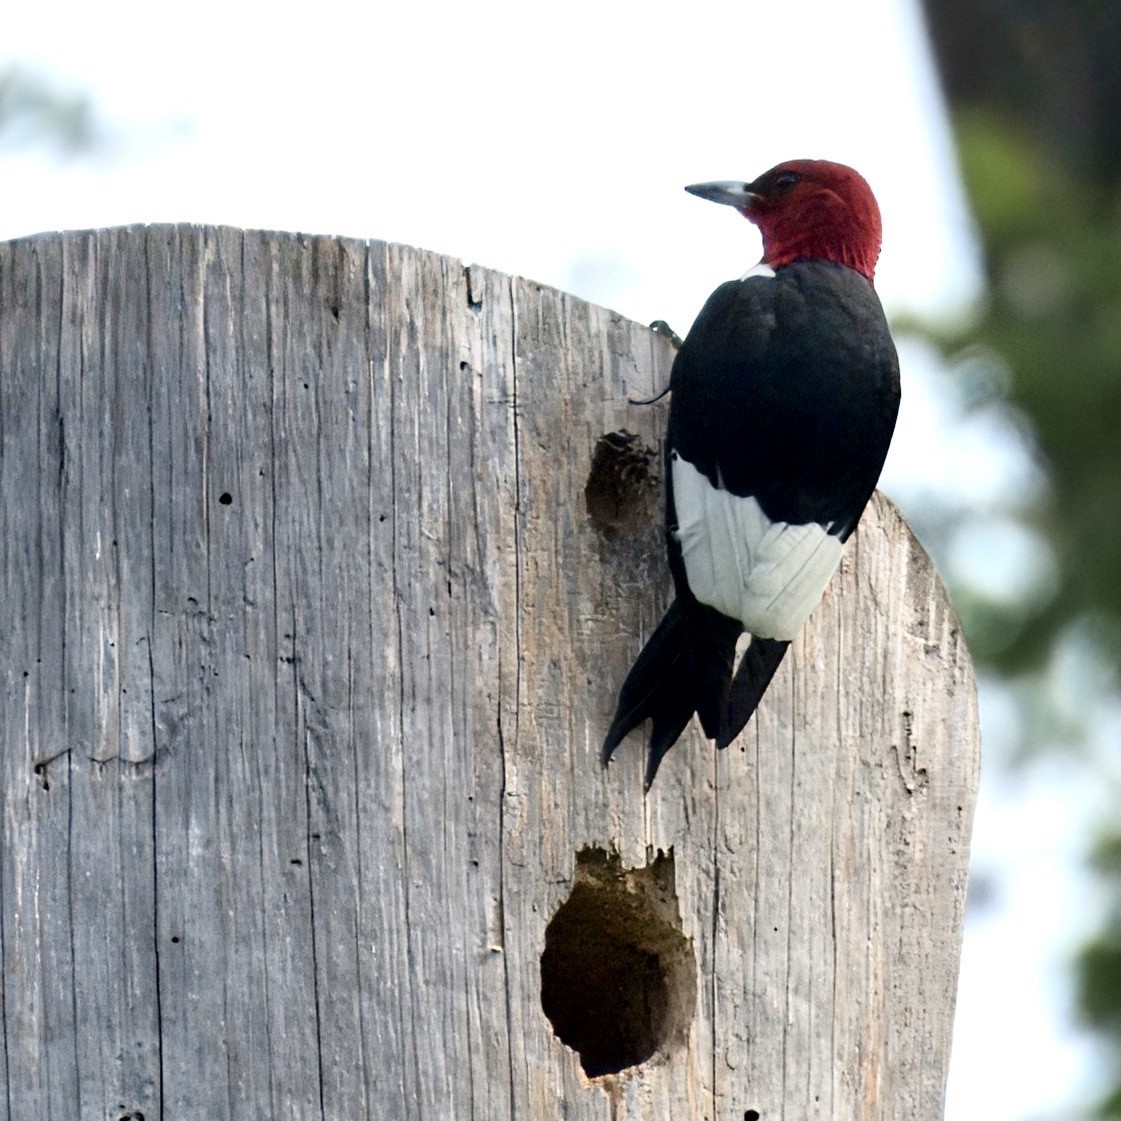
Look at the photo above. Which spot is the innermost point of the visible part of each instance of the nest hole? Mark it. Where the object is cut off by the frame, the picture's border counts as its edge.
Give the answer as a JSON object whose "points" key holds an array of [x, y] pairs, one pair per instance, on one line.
{"points": [[618, 976], [622, 488]]}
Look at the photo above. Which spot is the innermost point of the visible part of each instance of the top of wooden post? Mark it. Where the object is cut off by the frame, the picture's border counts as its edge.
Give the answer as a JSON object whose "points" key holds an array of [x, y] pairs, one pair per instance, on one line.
{"points": [[323, 561]]}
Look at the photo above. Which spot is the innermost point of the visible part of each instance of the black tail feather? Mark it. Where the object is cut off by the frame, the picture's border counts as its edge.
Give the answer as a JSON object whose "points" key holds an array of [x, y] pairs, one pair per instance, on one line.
{"points": [[655, 689], [756, 668], [685, 667], [710, 639]]}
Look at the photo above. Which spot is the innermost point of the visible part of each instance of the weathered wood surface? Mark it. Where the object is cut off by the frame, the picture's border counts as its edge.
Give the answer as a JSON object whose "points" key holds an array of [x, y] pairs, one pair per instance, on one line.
{"points": [[307, 644]]}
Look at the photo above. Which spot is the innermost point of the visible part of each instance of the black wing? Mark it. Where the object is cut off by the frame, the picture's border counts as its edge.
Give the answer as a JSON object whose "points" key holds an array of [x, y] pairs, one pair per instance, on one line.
{"points": [[787, 389]]}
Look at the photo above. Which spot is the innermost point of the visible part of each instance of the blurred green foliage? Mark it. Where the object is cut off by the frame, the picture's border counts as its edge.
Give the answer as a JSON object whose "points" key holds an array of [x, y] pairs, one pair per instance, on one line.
{"points": [[1035, 90], [1052, 247], [1099, 963]]}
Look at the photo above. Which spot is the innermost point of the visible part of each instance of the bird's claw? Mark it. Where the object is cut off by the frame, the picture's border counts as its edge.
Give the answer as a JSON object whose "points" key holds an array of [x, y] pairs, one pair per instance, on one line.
{"points": [[661, 327]]}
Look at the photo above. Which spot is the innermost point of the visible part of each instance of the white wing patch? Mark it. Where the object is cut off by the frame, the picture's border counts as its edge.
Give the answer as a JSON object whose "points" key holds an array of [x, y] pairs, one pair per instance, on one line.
{"points": [[769, 575]]}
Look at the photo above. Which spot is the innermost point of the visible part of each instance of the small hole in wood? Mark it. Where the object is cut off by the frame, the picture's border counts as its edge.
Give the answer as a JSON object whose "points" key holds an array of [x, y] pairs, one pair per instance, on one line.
{"points": [[618, 976], [622, 491], [225, 498], [41, 773], [751, 1115], [175, 939]]}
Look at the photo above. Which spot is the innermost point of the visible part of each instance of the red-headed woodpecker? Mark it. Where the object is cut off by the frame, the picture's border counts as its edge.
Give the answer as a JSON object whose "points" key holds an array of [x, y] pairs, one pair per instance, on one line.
{"points": [[784, 398]]}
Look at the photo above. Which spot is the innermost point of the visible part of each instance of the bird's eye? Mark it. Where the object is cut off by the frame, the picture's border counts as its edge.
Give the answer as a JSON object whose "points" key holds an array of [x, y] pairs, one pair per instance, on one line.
{"points": [[785, 181]]}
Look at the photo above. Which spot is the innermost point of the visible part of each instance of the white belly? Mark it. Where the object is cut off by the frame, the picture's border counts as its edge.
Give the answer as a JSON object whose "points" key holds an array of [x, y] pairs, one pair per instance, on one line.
{"points": [[768, 575]]}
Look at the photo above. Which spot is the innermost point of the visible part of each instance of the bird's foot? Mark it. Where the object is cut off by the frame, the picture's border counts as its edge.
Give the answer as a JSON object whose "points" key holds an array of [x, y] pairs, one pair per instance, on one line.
{"points": [[661, 327]]}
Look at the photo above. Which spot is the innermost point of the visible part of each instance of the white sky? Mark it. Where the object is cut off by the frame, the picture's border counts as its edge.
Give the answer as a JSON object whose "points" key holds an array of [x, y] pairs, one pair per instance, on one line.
{"points": [[503, 132], [554, 142]]}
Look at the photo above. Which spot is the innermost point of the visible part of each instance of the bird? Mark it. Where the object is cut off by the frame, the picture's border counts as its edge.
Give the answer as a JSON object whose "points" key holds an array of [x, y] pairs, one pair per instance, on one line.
{"points": [[783, 400]]}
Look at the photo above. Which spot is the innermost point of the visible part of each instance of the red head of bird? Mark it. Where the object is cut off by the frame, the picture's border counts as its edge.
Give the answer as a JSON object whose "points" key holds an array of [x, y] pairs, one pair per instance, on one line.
{"points": [[808, 210]]}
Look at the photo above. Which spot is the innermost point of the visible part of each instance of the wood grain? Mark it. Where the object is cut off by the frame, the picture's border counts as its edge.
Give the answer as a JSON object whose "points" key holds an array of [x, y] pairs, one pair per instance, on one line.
{"points": [[310, 632]]}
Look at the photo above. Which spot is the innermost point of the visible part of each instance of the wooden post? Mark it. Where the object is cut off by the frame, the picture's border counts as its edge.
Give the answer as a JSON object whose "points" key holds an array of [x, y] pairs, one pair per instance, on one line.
{"points": [[322, 563]]}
